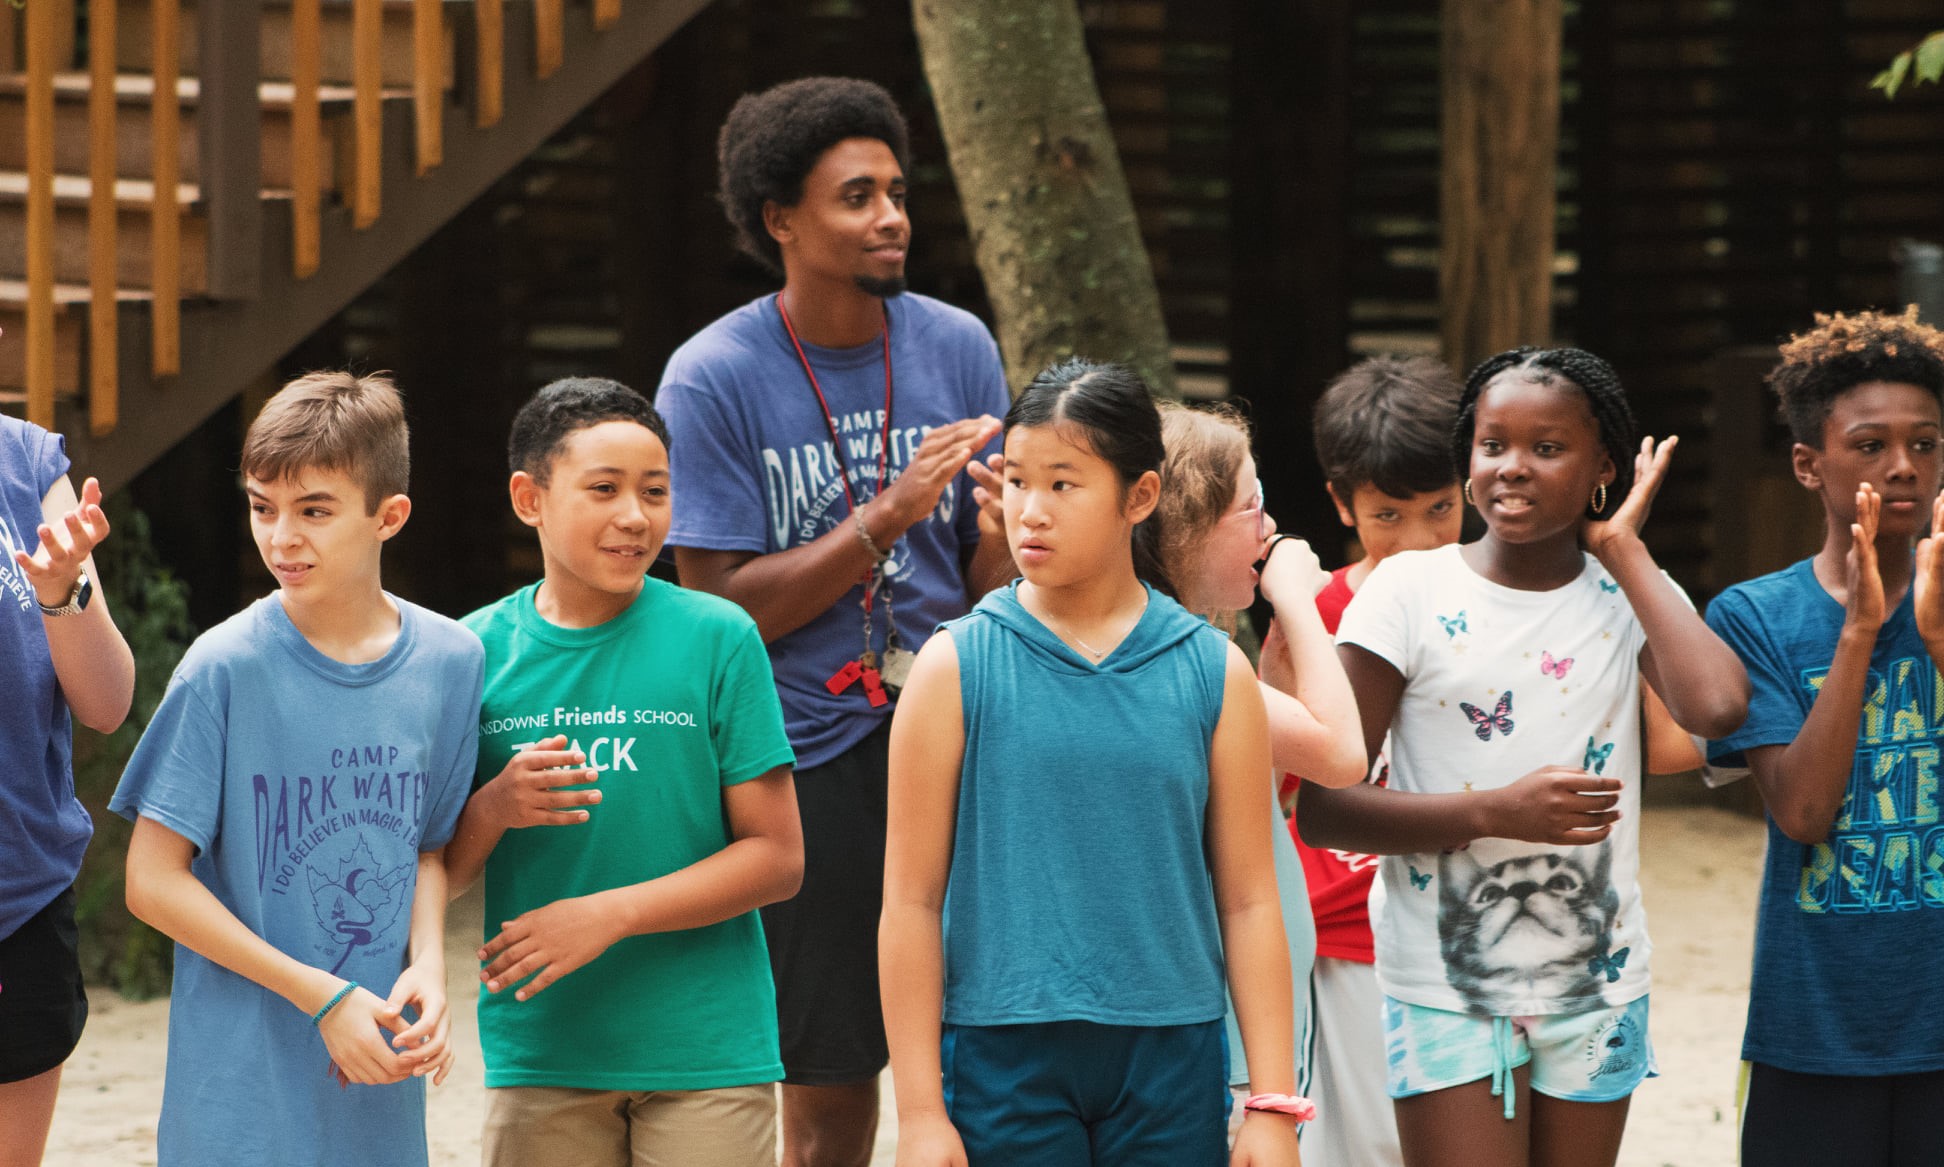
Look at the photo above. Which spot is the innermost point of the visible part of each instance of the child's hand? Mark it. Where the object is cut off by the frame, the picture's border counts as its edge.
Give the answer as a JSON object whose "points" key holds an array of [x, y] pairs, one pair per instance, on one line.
{"points": [[551, 941], [1265, 1140], [353, 1032], [1929, 584], [52, 572], [426, 1045], [1626, 520], [929, 1140], [527, 792], [1291, 573], [988, 485], [1864, 584], [1561, 805]]}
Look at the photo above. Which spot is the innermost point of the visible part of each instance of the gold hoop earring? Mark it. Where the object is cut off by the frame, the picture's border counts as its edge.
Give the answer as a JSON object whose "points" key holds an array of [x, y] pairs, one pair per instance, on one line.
{"points": [[1599, 498], [1466, 491]]}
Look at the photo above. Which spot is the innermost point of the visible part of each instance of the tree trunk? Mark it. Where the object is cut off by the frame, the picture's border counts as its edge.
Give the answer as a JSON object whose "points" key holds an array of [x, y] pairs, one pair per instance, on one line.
{"points": [[1052, 223], [1501, 142]]}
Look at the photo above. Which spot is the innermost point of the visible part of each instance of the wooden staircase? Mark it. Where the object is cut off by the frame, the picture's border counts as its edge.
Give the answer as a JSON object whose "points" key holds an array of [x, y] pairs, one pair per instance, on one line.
{"points": [[173, 222]]}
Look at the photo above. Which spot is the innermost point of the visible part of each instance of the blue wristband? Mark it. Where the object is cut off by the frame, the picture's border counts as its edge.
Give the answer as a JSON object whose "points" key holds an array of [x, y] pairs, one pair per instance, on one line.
{"points": [[317, 1018]]}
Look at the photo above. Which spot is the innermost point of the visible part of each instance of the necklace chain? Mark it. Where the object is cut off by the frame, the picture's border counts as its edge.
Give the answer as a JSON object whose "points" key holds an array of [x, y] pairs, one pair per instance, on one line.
{"points": [[1096, 653]]}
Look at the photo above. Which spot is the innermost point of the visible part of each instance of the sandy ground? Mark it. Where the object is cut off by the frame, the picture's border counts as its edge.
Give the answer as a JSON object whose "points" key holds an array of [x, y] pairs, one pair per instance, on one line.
{"points": [[1700, 865]]}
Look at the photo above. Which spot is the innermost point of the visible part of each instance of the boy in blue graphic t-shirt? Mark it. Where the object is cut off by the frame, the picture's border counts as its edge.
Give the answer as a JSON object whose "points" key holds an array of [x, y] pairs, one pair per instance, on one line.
{"points": [[291, 799], [1845, 1043]]}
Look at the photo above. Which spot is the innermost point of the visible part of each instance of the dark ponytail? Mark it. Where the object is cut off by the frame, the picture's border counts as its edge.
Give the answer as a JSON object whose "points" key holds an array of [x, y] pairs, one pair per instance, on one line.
{"points": [[1111, 407]]}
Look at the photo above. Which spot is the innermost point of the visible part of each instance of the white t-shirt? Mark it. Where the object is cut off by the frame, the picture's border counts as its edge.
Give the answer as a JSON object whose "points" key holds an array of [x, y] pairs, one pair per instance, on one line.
{"points": [[1498, 683]]}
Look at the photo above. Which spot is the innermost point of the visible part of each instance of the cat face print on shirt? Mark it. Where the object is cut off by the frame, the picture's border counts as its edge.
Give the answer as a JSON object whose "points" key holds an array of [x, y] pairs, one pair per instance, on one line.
{"points": [[1529, 928]]}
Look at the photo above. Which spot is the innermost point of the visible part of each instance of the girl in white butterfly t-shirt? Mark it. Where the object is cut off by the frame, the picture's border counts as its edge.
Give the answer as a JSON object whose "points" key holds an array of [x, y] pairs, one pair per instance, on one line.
{"points": [[1512, 946]]}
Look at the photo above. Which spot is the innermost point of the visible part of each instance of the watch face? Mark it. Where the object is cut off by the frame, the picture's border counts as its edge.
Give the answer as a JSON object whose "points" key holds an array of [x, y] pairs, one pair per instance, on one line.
{"points": [[83, 592]]}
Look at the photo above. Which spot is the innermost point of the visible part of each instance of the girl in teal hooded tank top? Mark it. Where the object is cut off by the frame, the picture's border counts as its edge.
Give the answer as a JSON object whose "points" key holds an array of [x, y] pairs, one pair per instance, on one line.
{"points": [[1079, 856]]}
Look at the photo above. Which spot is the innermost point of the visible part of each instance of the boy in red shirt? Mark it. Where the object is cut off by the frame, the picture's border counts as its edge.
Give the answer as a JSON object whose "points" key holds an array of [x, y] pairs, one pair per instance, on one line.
{"points": [[1383, 437]]}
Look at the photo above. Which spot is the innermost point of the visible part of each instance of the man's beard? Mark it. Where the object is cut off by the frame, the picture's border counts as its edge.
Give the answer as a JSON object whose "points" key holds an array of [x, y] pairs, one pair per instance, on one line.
{"points": [[883, 289]]}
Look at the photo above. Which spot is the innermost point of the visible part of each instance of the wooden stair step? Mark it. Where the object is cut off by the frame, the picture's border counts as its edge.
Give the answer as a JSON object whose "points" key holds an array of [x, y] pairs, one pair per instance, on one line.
{"points": [[134, 198], [134, 154], [133, 55], [70, 337]]}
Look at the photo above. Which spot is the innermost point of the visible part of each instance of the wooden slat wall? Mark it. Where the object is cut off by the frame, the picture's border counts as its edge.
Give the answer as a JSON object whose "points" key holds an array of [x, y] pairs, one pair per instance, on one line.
{"points": [[104, 402], [306, 137], [1749, 178], [165, 121]]}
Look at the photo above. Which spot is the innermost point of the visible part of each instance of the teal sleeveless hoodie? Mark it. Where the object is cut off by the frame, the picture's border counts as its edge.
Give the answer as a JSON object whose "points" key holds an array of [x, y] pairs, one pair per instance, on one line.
{"points": [[1079, 886]]}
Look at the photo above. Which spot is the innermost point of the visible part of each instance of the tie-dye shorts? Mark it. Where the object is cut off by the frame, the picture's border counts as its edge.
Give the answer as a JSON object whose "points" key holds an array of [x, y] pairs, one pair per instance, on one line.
{"points": [[1599, 1055]]}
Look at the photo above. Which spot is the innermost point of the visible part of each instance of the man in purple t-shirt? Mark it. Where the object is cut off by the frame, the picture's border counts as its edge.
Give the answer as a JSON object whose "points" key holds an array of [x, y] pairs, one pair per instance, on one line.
{"points": [[818, 441]]}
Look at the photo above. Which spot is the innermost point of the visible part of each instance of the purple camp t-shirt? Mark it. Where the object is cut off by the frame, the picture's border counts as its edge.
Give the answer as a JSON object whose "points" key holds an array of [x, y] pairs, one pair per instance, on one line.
{"points": [[43, 829], [754, 470]]}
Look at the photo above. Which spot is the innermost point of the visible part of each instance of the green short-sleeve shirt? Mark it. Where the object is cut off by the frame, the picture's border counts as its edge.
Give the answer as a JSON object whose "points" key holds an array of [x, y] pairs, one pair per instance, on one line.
{"points": [[673, 701]]}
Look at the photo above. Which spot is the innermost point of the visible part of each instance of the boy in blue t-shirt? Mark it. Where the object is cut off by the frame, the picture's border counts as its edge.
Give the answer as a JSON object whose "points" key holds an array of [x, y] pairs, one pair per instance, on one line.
{"points": [[291, 798], [629, 1015], [1845, 1042]]}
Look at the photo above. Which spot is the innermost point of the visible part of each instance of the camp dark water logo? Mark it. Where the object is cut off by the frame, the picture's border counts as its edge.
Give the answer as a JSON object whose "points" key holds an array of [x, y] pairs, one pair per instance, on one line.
{"points": [[357, 900], [13, 582]]}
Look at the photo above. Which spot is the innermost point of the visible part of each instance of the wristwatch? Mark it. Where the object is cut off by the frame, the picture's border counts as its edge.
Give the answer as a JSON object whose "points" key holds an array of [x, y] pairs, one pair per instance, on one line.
{"points": [[77, 601]]}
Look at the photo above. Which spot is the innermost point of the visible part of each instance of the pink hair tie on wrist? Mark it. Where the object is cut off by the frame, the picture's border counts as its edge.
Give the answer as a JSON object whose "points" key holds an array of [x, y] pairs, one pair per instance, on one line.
{"points": [[1294, 1105]]}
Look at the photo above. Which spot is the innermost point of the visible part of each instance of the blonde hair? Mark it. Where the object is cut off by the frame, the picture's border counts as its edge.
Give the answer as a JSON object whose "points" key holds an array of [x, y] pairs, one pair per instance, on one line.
{"points": [[1205, 449], [334, 420]]}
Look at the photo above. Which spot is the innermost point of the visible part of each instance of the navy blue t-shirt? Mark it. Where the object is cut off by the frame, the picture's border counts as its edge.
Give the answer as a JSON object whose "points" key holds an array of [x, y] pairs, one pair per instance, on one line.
{"points": [[43, 828], [753, 469], [1849, 931]]}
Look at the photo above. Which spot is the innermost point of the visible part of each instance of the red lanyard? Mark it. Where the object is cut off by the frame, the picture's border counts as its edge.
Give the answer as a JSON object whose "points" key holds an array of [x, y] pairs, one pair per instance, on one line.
{"points": [[836, 442]]}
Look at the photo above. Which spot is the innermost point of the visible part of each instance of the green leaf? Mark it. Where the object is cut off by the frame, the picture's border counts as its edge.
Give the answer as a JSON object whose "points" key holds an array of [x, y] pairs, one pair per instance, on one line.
{"points": [[1891, 78], [1930, 58]]}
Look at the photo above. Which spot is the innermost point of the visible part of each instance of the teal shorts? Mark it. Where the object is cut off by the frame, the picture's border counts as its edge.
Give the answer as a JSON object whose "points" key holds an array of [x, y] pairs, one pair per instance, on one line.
{"points": [[1599, 1055]]}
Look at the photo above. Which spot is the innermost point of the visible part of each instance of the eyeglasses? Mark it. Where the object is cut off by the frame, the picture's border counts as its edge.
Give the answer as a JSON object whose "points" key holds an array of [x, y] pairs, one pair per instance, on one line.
{"points": [[1264, 528]]}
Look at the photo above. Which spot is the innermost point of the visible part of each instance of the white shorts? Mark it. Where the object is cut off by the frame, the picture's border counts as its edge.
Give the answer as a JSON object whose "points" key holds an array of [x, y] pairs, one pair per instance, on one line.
{"points": [[1356, 1125]]}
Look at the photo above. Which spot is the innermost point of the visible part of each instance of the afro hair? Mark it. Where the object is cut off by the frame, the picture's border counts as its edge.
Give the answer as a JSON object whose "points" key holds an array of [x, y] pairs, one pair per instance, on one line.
{"points": [[1842, 352], [772, 139]]}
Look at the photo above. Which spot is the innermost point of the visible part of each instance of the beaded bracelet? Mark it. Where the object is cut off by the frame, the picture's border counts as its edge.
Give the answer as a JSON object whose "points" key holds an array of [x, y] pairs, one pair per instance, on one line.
{"points": [[317, 1018]]}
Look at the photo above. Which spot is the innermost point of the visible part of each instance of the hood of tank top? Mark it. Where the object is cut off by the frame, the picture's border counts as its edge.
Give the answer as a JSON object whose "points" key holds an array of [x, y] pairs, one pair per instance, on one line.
{"points": [[1162, 626]]}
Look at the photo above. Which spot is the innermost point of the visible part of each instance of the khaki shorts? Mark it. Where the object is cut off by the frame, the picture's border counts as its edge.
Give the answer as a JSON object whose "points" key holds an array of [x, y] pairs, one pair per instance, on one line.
{"points": [[552, 1126]]}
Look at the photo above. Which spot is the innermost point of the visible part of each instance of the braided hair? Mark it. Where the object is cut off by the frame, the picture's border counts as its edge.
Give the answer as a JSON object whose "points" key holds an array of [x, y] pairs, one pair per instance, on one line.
{"points": [[1555, 367]]}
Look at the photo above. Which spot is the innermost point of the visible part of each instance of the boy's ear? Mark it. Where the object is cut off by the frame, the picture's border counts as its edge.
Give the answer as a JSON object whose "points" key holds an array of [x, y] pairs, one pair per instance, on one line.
{"points": [[392, 514], [525, 493], [1344, 512], [1142, 497], [776, 220], [1806, 461]]}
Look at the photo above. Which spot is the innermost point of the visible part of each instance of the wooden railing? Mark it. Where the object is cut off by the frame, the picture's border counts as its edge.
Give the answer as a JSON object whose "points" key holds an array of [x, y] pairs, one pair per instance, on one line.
{"points": [[228, 128]]}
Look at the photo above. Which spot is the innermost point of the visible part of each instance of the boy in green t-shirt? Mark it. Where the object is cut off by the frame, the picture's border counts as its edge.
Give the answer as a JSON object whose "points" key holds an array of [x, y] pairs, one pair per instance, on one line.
{"points": [[629, 1009]]}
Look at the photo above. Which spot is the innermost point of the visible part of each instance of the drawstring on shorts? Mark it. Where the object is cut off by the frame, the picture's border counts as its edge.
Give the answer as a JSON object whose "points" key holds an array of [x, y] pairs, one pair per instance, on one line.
{"points": [[1502, 1064]]}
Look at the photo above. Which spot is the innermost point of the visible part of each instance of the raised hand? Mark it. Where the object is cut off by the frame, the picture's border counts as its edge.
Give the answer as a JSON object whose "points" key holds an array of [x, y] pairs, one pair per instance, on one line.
{"points": [[52, 570], [1561, 805], [528, 791], [1291, 573], [1625, 520], [940, 456], [1863, 583], [550, 941], [1928, 587], [988, 491]]}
